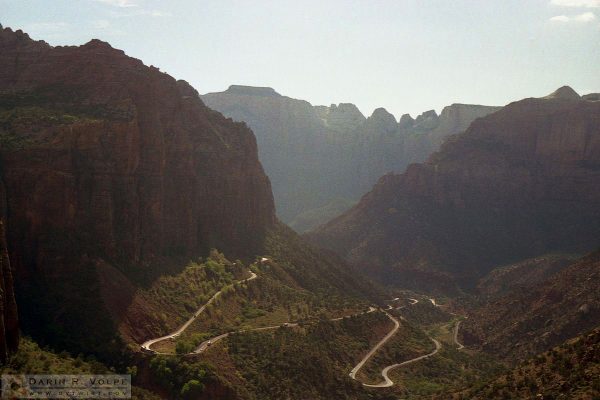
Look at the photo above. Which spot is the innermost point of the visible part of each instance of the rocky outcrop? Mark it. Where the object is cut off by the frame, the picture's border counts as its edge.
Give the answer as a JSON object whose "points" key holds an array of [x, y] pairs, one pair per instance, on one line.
{"points": [[381, 122], [518, 183], [343, 118], [565, 93], [406, 121], [591, 97], [320, 157], [106, 158]]}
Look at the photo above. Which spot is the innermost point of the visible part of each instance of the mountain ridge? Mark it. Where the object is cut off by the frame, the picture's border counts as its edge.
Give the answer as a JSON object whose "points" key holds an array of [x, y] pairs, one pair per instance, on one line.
{"points": [[108, 161], [320, 155], [529, 171]]}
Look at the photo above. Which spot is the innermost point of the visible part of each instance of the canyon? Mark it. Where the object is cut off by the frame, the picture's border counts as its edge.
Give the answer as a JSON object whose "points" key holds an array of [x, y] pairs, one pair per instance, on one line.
{"points": [[321, 159], [518, 183]]}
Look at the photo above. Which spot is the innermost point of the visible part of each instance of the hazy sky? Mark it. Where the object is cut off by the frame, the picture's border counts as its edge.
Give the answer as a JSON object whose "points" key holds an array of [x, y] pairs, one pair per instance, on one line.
{"points": [[404, 55]]}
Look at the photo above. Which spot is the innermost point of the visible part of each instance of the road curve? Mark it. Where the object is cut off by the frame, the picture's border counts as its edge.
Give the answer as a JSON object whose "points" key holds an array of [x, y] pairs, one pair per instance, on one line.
{"points": [[387, 381], [376, 347], [146, 345], [458, 344], [204, 345]]}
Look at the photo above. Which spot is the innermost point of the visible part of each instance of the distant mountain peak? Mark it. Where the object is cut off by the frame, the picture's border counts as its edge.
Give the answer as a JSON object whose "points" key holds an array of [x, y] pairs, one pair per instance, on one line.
{"points": [[406, 121], [564, 92], [382, 113], [98, 43], [252, 90], [382, 119]]}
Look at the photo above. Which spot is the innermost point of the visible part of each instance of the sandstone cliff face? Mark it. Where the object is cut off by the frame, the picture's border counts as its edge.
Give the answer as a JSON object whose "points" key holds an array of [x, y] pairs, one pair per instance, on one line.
{"points": [[519, 182], [320, 157], [143, 169], [104, 157]]}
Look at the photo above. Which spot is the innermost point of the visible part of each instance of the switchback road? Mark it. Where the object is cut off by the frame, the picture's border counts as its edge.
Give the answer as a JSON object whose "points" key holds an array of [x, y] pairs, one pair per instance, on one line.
{"points": [[146, 346]]}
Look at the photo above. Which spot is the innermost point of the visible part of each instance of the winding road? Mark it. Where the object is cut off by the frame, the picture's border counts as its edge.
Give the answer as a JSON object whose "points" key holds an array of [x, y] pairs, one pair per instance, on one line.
{"points": [[376, 347], [207, 343], [460, 346], [387, 381], [146, 345]]}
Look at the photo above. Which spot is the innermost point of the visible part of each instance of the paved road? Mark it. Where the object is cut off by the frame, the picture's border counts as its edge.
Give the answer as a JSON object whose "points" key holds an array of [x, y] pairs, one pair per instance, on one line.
{"points": [[460, 346], [387, 381], [146, 346], [376, 347], [209, 342]]}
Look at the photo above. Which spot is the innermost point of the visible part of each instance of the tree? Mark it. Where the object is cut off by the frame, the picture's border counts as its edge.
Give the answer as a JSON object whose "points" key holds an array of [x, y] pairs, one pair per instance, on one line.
{"points": [[191, 389]]}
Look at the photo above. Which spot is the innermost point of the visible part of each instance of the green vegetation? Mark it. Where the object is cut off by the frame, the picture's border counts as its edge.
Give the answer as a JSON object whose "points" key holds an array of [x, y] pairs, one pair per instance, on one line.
{"points": [[31, 359], [408, 342], [297, 284], [182, 379], [187, 343], [320, 272], [447, 371], [308, 362], [570, 371], [22, 126], [56, 103], [424, 313], [179, 296], [266, 301]]}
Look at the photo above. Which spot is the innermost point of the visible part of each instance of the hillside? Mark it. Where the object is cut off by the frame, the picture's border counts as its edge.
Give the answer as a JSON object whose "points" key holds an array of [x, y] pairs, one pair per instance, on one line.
{"points": [[568, 371], [521, 182], [320, 159], [532, 319], [521, 275]]}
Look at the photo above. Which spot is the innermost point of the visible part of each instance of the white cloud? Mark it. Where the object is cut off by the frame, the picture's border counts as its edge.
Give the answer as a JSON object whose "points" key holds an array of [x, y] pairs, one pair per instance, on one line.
{"points": [[119, 3], [576, 3], [583, 18]]}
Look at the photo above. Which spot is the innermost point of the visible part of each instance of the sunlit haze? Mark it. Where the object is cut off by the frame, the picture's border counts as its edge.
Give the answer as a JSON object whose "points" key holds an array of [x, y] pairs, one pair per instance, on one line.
{"points": [[406, 56]]}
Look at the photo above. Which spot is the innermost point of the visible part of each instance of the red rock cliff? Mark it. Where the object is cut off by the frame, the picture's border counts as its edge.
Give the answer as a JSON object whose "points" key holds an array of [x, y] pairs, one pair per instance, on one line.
{"points": [[123, 157], [104, 159], [520, 182]]}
